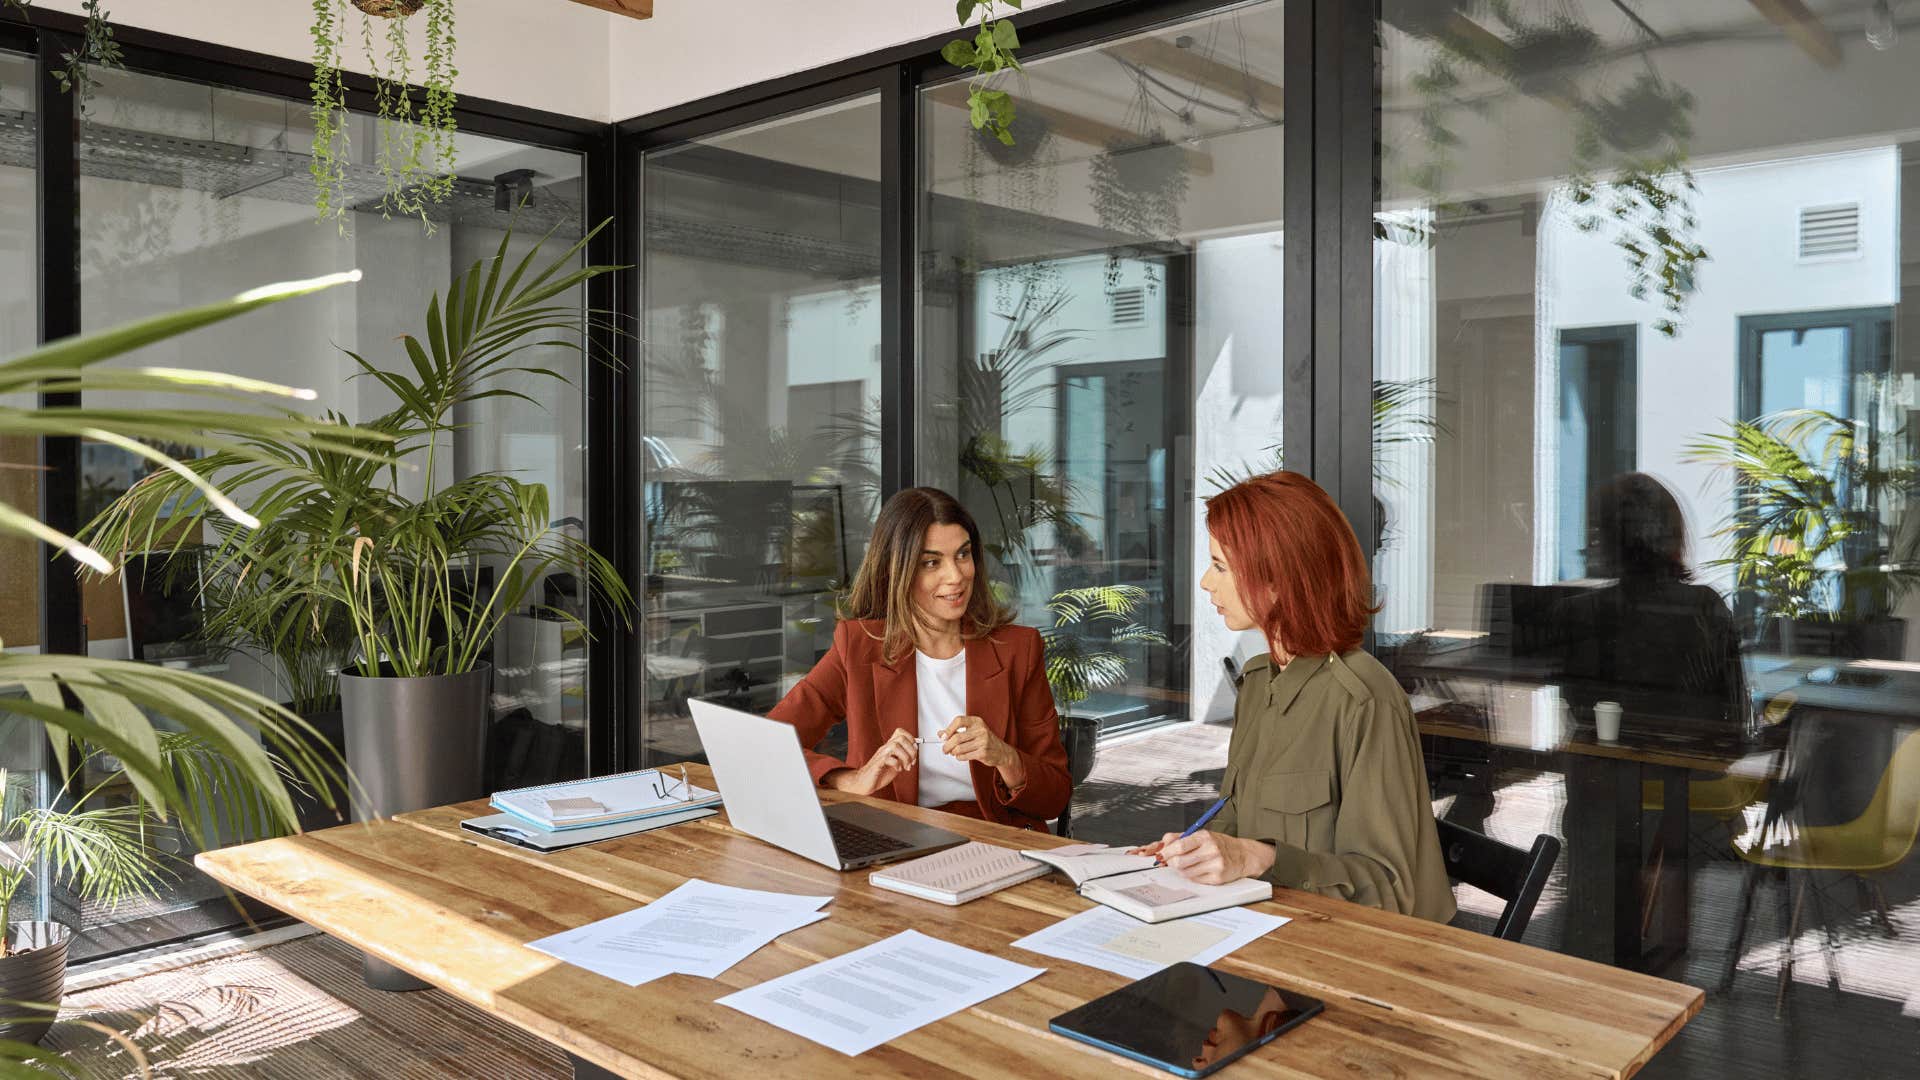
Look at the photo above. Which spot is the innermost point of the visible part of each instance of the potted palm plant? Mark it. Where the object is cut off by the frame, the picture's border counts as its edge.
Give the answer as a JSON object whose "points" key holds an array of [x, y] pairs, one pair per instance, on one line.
{"points": [[104, 852], [140, 713], [1078, 664], [424, 567], [1816, 533], [120, 707], [418, 570]]}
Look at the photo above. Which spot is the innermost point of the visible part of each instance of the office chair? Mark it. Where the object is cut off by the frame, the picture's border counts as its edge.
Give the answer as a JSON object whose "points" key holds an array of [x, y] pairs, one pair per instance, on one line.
{"points": [[1880, 838], [1501, 869]]}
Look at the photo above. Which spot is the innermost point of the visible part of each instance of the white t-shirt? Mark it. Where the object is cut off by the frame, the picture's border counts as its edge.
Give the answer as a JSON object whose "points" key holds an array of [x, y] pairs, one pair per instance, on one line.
{"points": [[943, 696]]}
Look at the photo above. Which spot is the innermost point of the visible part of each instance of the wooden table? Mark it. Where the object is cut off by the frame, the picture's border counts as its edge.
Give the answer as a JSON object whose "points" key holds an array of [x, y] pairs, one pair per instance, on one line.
{"points": [[1404, 996]]}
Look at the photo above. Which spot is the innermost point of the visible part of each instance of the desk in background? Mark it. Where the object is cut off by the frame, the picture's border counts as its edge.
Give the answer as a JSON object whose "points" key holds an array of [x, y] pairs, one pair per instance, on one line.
{"points": [[1404, 996]]}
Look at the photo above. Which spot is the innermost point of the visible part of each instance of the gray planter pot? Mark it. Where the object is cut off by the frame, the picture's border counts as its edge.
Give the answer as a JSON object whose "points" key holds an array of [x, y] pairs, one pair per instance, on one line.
{"points": [[413, 743], [38, 974], [1081, 735]]}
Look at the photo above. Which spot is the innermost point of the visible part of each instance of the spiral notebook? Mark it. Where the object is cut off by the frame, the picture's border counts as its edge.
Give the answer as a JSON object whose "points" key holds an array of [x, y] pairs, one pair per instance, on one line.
{"points": [[604, 800], [960, 874]]}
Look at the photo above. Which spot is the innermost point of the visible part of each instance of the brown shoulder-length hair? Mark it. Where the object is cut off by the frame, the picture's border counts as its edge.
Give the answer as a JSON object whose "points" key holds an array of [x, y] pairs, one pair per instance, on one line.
{"points": [[883, 589], [1298, 565]]}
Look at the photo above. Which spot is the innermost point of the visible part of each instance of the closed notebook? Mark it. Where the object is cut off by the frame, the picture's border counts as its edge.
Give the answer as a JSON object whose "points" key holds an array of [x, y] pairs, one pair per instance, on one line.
{"points": [[511, 830], [960, 874], [1139, 886], [603, 800]]}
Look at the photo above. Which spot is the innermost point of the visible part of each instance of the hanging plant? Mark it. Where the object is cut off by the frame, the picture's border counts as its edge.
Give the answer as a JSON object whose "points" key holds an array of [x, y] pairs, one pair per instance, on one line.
{"points": [[1628, 171], [989, 53], [97, 46], [415, 153], [1138, 190], [1543, 55], [1028, 135], [1649, 194]]}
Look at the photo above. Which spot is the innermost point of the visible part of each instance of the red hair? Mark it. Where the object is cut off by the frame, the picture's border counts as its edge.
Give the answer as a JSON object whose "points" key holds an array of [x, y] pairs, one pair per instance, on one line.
{"points": [[1296, 562]]}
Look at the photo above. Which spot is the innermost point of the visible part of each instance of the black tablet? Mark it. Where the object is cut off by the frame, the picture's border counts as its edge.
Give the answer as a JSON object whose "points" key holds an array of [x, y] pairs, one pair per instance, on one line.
{"points": [[1187, 1019]]}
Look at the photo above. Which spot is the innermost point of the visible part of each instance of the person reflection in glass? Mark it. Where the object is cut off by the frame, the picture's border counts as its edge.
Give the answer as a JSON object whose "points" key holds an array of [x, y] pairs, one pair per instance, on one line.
{"points": [[1662, 646]]}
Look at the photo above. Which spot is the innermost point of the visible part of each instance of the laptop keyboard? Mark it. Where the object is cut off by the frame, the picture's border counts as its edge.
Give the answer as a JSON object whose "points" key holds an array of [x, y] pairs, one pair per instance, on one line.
{"points": [[857, 842]]}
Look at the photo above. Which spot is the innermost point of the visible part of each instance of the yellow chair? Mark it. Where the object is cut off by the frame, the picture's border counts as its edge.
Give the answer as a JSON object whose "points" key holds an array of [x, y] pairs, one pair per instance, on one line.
{"points": [[1880, 838], [1724, 798]]}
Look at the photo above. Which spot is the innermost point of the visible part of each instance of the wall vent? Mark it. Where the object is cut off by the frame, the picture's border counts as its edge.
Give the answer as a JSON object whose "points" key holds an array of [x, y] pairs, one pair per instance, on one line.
{"points": [[1129, 306], [1830, 232]]}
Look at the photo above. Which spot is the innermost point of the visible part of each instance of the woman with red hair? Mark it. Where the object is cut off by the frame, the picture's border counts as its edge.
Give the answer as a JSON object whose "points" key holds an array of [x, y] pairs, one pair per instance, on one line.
{"points": [[1324, 789]]}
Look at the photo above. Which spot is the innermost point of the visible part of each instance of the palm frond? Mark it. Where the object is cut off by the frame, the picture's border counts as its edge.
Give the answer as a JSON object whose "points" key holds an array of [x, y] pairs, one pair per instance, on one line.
{"points": [[345, 562], [104, 853], [124, 701]]}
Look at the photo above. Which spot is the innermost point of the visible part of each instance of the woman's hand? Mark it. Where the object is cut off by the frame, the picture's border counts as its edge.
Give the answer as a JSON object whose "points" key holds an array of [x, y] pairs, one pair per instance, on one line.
{"points": [[898, 754], [1211, 858], [967, 738]]}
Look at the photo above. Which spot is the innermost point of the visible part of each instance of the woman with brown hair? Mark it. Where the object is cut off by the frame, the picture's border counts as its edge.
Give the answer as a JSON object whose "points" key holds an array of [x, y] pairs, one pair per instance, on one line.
{"points": [[1324, 789], [946, 703]]}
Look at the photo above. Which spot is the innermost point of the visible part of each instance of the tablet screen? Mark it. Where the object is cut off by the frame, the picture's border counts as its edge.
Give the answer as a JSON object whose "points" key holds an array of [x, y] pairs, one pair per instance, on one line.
{"points": [[1187, 1018]]}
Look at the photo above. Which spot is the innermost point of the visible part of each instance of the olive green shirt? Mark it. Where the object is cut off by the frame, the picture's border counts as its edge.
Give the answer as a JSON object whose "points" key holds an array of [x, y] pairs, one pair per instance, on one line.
{"points": [[1325, 765]]}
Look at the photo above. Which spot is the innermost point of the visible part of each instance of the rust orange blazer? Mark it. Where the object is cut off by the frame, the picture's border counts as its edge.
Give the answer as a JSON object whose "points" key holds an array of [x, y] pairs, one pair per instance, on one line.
{"points": [[1006, 687]]}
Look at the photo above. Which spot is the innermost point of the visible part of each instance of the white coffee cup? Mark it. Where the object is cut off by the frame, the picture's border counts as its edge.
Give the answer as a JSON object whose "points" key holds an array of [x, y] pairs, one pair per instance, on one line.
{"points": [[1606, 720]]}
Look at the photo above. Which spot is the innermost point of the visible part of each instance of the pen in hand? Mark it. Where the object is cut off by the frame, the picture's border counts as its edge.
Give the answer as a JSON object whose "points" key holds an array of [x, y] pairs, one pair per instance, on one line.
{"points": [[1198, 825], [938, 742]]}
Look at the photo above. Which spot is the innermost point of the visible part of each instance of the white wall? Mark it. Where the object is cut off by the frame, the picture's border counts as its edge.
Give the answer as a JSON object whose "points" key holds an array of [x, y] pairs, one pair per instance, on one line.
{"points": [[691, 49], [1236, 416], [546, 55], [1688, 384]]}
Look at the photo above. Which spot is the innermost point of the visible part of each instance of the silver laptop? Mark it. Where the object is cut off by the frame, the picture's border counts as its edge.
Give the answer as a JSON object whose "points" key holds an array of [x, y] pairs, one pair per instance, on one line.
{"points": [[769, 794]]}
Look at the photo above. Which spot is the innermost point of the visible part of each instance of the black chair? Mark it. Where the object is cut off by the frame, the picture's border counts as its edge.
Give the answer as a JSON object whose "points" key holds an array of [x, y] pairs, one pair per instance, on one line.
{"points": [[1501, 869]]}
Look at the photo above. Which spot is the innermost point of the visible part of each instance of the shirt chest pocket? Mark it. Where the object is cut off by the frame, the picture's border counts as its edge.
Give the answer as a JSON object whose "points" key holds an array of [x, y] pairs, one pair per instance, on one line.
{"points": [[1296, 808]]}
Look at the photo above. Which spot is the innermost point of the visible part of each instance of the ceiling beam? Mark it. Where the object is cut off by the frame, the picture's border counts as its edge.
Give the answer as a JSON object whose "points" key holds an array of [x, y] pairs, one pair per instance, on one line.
{"points": [[1803, 27], [1204, 70], [639, 9], [1070, 125]]}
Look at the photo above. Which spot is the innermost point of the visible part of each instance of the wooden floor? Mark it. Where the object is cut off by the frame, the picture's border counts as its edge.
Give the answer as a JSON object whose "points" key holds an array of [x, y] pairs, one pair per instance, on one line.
{"points": [[295, 1011], [299, 1010]]}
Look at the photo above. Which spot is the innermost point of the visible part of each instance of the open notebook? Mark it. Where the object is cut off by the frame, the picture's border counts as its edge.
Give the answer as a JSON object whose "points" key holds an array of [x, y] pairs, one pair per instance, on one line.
{"points": [[1139, 886]]}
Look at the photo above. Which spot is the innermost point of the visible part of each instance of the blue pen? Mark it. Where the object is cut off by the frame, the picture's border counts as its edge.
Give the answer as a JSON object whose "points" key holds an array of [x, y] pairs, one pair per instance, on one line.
{"points": [[1198, 825], [1204, 818]]}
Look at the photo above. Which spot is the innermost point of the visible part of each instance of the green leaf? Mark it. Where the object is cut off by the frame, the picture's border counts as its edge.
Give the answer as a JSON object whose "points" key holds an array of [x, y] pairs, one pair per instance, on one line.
{"points": [[963, 10], [1005, 37], [958, 53], [86, 349]]}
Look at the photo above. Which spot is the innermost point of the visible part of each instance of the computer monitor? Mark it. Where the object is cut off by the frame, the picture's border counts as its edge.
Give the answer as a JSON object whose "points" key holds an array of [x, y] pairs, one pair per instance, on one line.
{"points": [[770, 535], [165, 606]]}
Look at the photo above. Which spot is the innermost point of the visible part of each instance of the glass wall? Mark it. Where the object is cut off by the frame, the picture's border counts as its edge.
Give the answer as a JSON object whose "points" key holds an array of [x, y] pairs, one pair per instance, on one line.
{"points": [[761, 428], [21, 742], [1644, 448], [192, 193], [1100, 349]]}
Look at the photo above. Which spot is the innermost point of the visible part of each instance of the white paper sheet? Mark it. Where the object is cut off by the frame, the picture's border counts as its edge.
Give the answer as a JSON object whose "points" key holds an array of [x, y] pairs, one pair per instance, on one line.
{"points": [[699, 929], [1112, 941], [870, 996]]}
